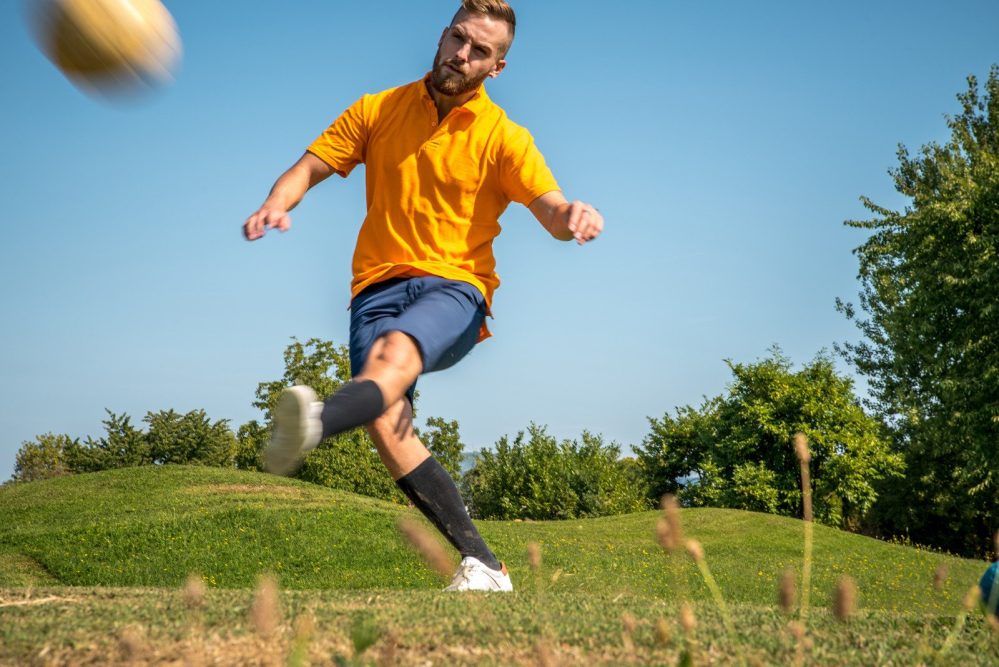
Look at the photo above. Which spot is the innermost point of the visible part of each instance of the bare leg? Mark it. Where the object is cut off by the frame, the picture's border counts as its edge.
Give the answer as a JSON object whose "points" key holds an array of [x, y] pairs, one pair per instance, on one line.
{"points": [[393, 363], [399, 448], [426, 483], [392, 366]]}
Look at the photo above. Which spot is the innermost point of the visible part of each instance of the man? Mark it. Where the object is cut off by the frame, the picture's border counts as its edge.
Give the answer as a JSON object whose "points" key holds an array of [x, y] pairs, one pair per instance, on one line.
{"points": [[442, 164]]}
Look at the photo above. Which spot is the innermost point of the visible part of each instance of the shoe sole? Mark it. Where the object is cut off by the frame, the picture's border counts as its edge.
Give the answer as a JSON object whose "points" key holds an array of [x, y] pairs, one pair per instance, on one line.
{"points": [[290, 413]]}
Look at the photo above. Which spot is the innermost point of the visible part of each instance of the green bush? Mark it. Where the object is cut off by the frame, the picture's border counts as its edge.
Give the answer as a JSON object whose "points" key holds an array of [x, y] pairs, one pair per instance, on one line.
{"points": [[538, 477], [349, 462], [123, 446], [735, 451], [42, 458], [251, 439], [444, 441], [189, 438]]}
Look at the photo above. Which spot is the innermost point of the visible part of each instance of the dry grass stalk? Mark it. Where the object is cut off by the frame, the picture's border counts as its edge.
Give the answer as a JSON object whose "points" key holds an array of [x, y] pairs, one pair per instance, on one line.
{"points": [[389, 656], [194, 653], [797, 630], [628, 626], [664, 535], [534, 556], [801, 448], [265, 613], [305, 627], [194, 591], [940, 577], [425, 544], [546, 654], [193, 595], [688, 622], [972, 598], [786, 592], [804, 459], [671, 512], [806, 572], [696, 552], [132, 643], [970, 602], [845, 598], [664, 634]]}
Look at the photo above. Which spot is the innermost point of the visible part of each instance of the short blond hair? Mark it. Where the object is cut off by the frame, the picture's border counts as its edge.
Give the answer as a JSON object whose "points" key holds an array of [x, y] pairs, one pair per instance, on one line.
{"points": [[496, 9]]}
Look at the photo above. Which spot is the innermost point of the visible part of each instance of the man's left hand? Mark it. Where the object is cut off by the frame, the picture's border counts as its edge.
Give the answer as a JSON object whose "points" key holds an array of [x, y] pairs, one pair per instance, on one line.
{"points": [[584, 221]]}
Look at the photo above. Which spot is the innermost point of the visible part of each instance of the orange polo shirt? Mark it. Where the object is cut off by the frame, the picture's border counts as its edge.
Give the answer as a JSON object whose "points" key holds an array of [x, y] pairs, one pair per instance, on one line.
{"points": [[435, 191]]}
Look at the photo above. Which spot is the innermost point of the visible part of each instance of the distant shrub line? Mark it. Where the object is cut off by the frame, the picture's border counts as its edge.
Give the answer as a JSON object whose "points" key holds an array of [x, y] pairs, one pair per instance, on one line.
{"points": [[734, 451]]}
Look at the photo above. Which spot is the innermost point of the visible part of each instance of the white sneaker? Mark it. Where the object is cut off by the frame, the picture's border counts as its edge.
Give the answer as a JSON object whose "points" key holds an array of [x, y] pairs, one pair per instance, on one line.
{"points": [[473, 575], [297, 429]]}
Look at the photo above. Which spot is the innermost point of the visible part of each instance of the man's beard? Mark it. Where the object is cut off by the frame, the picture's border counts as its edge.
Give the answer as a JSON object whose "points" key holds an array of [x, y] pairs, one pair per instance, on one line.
{"points": [[451, 83]]}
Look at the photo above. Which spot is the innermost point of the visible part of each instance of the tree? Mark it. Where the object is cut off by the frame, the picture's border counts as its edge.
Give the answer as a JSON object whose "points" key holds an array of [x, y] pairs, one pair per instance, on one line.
{"points": [[189, 438], [347, 461], [538, 477], [250, 442], [736, 450], [122, 446], [677, 446], [929, 277], [320, 364], [444, 441], [172, 438], [42, 458]]}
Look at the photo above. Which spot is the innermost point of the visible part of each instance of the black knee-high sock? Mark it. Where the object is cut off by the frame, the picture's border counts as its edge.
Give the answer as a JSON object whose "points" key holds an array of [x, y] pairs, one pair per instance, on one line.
{"points": [[356, 404], [434, 493]]}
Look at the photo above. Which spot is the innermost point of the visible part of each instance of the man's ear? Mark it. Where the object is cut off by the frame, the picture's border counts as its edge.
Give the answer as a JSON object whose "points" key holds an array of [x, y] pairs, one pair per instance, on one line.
{"points": [[497, 68]]}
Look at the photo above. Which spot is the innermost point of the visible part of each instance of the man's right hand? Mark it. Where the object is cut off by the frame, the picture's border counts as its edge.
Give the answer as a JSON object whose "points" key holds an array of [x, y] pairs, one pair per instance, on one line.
{"points": [[285, 195], [265, 218]]}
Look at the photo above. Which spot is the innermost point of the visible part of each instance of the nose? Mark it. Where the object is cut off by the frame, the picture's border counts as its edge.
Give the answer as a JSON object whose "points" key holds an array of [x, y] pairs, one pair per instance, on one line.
{"points": [[464, 52]]}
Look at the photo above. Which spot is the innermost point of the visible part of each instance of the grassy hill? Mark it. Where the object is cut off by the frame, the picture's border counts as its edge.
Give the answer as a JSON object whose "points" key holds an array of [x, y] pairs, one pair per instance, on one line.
{"points": [[152, 527]]}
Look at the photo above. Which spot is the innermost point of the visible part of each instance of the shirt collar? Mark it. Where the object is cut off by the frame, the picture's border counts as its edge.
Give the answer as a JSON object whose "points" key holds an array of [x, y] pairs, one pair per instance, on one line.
{"points": [[476, 105]]}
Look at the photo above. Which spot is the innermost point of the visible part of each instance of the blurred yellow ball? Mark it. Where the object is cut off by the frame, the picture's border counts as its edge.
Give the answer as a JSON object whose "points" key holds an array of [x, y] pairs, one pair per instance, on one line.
{"points": [[109, 45]]}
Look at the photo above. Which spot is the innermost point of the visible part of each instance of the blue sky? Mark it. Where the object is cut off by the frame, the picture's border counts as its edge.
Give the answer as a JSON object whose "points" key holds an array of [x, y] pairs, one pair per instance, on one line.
{"points": [[725, 142]]}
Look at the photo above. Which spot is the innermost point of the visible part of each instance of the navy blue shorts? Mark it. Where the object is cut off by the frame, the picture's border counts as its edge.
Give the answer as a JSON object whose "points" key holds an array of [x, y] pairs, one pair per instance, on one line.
{"points": [[442, 316]]}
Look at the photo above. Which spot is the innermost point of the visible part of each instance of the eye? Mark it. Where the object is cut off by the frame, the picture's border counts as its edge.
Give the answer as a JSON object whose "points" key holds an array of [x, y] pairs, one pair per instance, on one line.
{"points": [[479, 51]]}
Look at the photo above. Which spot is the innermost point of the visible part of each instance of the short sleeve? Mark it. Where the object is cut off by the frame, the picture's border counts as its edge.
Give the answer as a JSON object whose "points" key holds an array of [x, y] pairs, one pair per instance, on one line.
{"points": [[342, 145], [524, 176]]}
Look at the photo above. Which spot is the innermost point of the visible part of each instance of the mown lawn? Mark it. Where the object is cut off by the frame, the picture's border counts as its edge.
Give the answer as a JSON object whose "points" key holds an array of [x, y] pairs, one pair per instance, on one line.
{"points": [[91, 568]]}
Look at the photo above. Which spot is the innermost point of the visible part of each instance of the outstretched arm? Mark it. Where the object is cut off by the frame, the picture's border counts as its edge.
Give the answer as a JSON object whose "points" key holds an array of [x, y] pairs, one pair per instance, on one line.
{"points": [[567, 220], [285, 195]]}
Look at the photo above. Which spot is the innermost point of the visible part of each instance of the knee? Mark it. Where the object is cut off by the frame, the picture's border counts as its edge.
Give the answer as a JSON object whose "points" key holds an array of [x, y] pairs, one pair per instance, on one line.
{"points": [[398, 351]]}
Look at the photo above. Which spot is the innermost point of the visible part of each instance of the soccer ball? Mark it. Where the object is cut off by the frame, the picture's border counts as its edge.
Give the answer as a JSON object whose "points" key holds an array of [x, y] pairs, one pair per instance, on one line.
{"points": [[990, 589], [108, 46]]}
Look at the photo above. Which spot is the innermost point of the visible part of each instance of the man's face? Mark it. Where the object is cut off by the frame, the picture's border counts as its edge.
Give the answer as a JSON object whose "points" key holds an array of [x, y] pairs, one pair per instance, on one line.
{"points": [[469, 52]]}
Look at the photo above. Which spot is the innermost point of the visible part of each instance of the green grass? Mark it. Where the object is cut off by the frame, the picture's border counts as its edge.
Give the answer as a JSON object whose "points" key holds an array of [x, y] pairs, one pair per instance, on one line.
{"points": [[97, 552]]}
